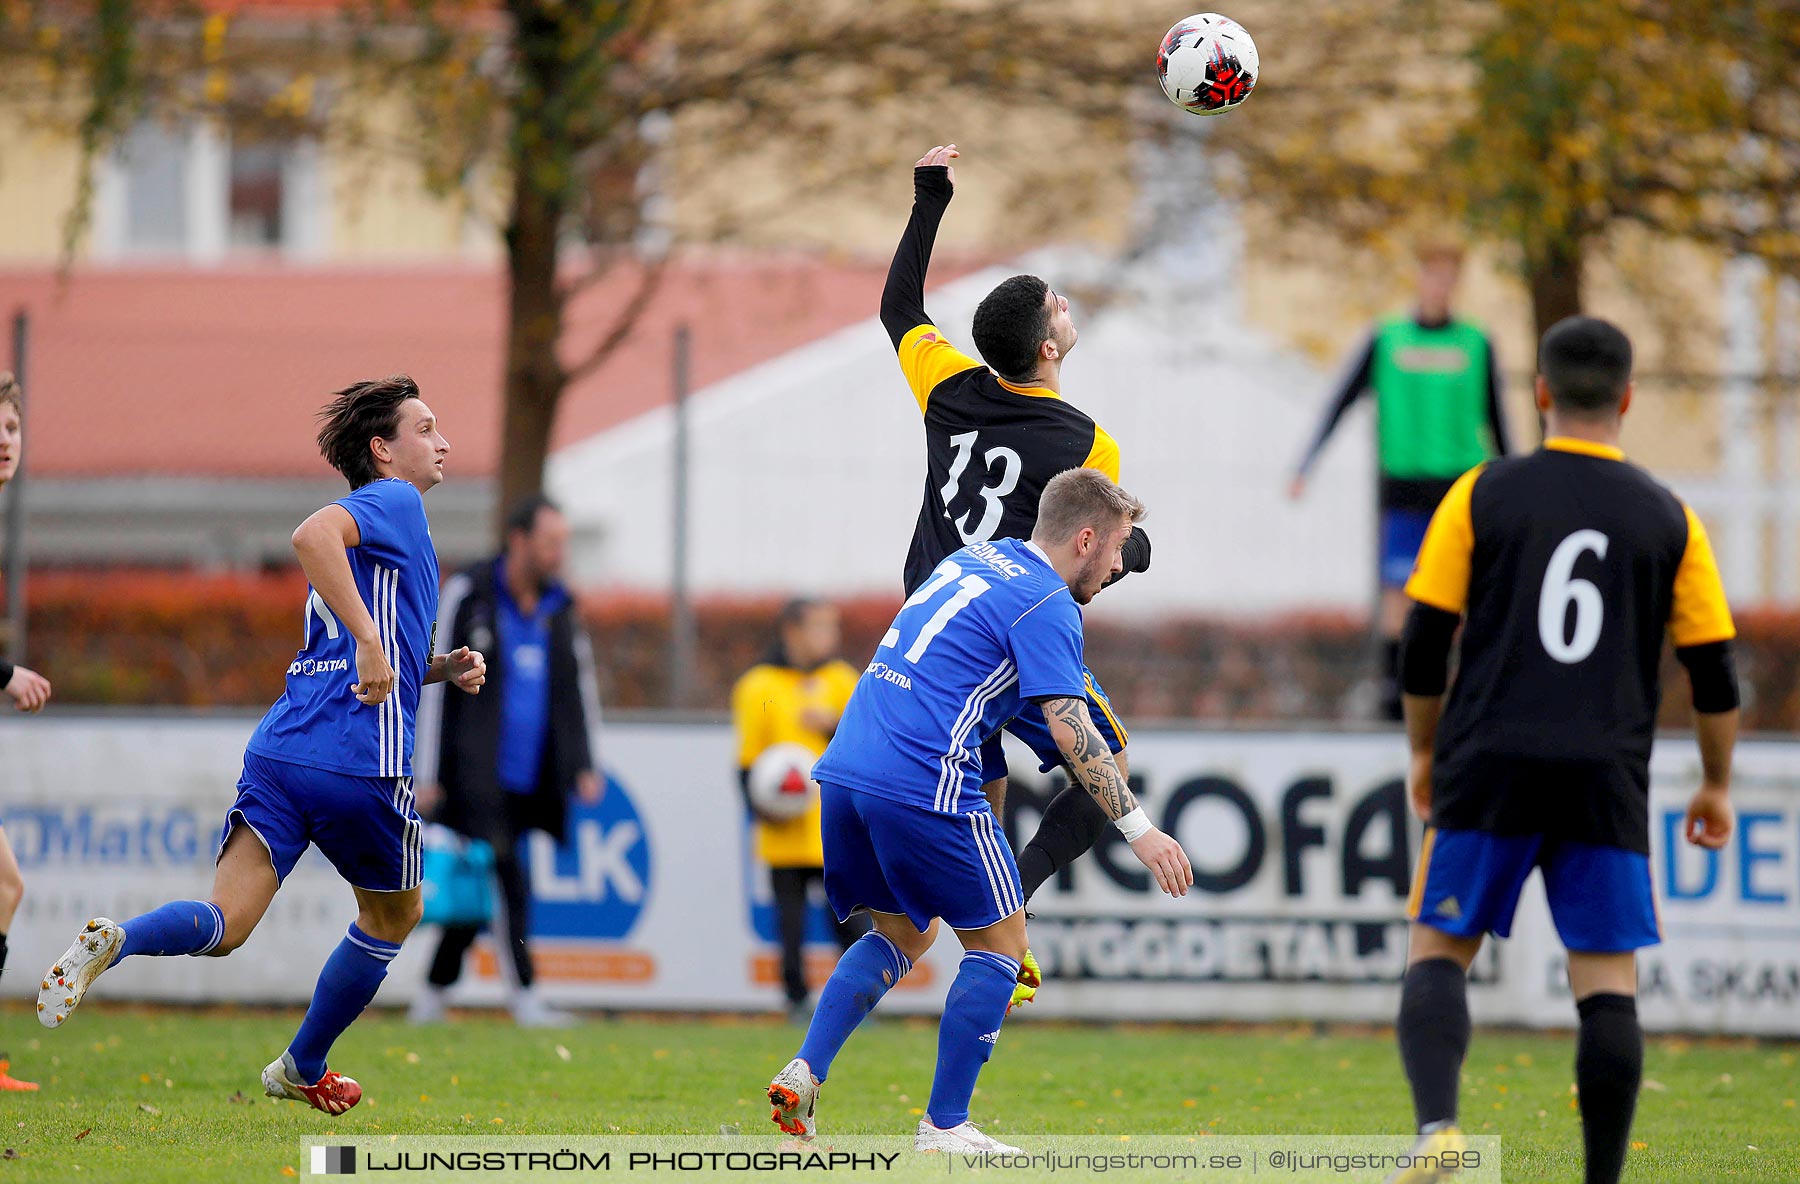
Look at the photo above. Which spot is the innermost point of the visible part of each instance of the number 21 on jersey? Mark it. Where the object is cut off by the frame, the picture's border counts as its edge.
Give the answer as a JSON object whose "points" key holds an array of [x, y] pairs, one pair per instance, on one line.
{"points": [[967, 589]]}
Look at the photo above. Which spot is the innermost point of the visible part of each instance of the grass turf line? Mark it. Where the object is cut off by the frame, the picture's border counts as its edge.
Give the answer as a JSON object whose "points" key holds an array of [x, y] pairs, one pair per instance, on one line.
{"points": [[157, 1092]]}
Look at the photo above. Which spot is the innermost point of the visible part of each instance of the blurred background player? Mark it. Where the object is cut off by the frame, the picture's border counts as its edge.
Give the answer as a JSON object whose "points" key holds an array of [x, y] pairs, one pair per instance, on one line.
{"points": [[1437, 415], [911, 831], [995, 436], [28, 690], [1567, 568], [500, 764], [329, 764], [795, 695]]}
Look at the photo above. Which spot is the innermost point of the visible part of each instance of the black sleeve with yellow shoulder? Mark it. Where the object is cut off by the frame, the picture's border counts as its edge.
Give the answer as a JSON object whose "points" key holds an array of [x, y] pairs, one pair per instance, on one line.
{"points": [[1439, 588], [925, 357], [1700, 624], [903, 297]]}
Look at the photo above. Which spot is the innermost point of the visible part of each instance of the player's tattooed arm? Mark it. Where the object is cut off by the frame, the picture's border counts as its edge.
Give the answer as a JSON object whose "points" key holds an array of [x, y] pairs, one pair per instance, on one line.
{"points": [[1087, 755]]}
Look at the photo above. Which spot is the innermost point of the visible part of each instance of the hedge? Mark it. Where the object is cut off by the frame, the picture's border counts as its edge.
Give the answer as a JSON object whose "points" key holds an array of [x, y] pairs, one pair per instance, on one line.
{"points": [[128, 637]]}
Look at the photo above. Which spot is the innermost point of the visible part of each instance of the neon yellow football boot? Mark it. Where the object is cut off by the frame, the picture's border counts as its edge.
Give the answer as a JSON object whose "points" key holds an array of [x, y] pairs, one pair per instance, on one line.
{"points": [[1030, 979]]}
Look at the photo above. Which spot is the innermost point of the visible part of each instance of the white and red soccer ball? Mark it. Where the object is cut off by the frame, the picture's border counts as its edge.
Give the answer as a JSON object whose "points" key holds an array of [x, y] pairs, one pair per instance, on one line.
{"points": [[1207, 64], [781, 784]]}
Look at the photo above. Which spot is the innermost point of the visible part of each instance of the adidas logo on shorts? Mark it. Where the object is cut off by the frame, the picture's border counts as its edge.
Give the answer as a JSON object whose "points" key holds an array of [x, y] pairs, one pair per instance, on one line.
{"points": [[1449, 908]]}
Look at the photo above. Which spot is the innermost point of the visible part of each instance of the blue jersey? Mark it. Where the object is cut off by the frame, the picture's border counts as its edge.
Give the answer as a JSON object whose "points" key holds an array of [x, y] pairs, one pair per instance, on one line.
{"points": [[317, 721], [993, 628]]}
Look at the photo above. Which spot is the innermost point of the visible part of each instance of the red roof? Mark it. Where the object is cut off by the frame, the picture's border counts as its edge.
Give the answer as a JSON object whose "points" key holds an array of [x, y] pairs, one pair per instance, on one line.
{"points": [[219, 372]]}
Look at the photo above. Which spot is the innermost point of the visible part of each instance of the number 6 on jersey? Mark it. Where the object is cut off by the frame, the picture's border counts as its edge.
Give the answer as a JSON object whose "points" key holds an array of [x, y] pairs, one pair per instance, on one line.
{"points": [[1561, 590]]}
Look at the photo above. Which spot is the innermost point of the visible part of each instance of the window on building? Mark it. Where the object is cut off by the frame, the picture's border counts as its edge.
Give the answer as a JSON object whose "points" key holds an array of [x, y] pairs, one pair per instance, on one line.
{"points": [[199, 194], [154, 161], [258, 170]]}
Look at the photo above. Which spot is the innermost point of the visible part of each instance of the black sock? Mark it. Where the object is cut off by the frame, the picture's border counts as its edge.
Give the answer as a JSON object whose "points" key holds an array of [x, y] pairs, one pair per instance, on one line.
{"points": [[1390, 680], [1609, 1064], [1434, 1036], [2, 953], [1073, 823]]}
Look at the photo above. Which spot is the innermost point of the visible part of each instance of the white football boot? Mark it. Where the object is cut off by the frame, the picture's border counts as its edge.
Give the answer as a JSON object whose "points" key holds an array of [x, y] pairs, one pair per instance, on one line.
{"points": [[427, 1006], [794, 1094], [332, 1094], [960, 1139], [95, 948]]}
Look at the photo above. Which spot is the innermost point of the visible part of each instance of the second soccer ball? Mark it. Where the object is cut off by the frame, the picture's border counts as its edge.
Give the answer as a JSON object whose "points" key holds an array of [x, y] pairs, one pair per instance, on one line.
{"points": [[781, 784], [1207, 64]]}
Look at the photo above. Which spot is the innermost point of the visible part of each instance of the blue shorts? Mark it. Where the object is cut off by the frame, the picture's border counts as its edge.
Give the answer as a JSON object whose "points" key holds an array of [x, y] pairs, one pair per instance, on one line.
{"points": [[893, 857], [365, 826], [1402, 534], [1468, 883], [1031, 727]]}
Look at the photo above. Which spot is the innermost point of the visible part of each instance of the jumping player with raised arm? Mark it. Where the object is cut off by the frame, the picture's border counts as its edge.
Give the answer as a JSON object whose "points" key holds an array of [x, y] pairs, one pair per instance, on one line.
{"points": [[995, 435], [330, 763], [1567, 568], [911, 837]]}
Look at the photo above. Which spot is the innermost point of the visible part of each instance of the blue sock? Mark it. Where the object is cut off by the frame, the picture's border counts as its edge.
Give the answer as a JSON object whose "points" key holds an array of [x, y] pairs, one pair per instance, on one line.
{"points": [[863, 975], [966, 1035], [179, 927], [350, 979]]}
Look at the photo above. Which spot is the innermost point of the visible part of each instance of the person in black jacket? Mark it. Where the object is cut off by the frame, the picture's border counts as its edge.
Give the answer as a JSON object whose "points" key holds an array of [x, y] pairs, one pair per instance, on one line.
{"points": [[503, 766], [28, 690]]}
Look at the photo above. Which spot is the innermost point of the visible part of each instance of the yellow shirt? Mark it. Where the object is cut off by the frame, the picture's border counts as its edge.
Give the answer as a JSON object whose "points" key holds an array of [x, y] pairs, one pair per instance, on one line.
{"points": [[766, 707]]}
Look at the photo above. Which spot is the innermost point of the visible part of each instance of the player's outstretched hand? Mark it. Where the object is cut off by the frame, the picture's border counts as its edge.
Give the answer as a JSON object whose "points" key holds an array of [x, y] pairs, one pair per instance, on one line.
{"points": [[1709, 817], [1166, 861], [374, 676], [466, 668], [29, 689], [942, 154]]}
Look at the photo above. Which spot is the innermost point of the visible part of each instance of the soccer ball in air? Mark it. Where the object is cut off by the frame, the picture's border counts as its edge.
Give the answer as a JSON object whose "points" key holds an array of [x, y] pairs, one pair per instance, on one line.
{"points": [[1207, 64], [781, 784]]}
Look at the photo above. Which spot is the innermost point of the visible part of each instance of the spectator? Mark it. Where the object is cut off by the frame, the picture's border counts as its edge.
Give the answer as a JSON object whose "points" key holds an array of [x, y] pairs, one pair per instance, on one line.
{"points": [[28, 690], [1437, 415], [794, 695], [497, 765]]}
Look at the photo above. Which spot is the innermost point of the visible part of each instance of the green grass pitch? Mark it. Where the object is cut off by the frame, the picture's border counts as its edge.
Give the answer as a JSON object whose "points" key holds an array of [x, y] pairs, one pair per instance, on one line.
{"points": [[149, 1095]]}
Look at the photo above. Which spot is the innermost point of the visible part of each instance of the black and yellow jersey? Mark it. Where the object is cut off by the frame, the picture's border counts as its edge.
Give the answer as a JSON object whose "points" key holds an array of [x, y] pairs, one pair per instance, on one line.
{"points": [[990, 448], [990, 445], [1569, 566]]}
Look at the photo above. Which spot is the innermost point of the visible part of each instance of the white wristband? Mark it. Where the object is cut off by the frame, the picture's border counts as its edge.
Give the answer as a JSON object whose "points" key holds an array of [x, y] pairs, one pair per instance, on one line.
{"points": [[1134, 825]]}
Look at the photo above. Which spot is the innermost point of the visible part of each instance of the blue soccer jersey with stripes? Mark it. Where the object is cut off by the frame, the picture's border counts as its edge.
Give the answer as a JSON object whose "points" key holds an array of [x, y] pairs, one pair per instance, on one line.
{"points": [[993, 628], [317, 721]]}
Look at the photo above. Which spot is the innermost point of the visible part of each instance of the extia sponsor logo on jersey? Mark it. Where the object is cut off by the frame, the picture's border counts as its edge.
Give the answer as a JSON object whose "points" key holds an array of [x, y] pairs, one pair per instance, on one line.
{"points": [[887, 673], [308, 667]]}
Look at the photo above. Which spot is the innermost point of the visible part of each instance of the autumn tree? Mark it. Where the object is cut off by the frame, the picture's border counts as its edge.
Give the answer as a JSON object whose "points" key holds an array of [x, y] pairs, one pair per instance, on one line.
{"points": [[1539, 125], [563, 109]]}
